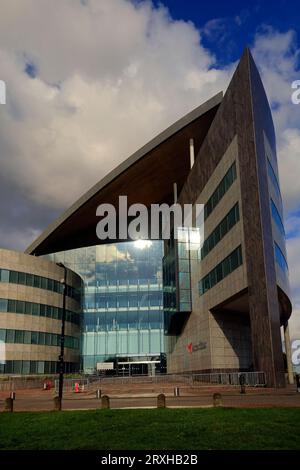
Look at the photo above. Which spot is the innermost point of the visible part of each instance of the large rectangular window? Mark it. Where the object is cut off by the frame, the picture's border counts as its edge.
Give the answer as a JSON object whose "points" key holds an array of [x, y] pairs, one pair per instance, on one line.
{"points": [[277, 219], [34, 367], [273, 179], [223, 269], [32, 308], [40, 282], [221, 189], [36, 337], [221, 230], [280, 259]]}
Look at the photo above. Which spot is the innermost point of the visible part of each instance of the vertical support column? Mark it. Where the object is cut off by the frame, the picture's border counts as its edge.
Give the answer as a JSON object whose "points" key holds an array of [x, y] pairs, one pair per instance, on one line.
{"points": [[192, 153], [175, 192], [288, 351]]}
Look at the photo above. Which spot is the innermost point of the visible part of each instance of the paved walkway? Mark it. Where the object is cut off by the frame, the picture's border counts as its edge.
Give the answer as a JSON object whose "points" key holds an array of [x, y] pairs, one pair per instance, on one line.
{"points": [[38, 400]]}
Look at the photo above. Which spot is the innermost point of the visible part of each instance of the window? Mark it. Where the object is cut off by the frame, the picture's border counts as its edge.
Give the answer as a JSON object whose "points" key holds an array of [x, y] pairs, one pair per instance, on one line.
{"points": [[19, 337], [3, 305], [34, 337], [277, 219], [221, 189], [44, 283], [4, 275], [35, 309], [20, 307], [21, 278], [48, 339], [273, 179], [32, 280], [13, 277], [223, 269], [221, 230], [29, 280], [42, 338], [10, 336], [280, 259], [12, 305], [37, 282], [27, 337]]}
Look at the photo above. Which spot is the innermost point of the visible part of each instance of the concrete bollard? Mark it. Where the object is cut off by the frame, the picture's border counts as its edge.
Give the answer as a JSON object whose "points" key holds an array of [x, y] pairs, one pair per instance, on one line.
{"points": [[98, 394], [105, 405], [217, 399], [176, 392], [161, 400], [57, 404], [242, 381], [9, 405]]}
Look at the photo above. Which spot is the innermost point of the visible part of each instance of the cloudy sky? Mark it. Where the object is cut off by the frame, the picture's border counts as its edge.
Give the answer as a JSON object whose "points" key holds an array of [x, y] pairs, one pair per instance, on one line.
{"points": [[90, 81]]}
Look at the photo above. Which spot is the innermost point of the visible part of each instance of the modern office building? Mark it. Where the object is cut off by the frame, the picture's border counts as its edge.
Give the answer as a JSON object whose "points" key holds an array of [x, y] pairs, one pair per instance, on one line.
{"points": [[31, 307], [225, 300]]}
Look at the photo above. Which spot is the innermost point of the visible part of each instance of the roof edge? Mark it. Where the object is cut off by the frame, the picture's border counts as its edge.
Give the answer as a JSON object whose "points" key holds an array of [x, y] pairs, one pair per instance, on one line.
{"points": [[131, 160]]}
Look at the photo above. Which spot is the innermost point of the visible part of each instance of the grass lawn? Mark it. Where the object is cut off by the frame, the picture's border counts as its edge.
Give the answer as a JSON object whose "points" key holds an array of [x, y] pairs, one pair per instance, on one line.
{"points": [[157, 429]]}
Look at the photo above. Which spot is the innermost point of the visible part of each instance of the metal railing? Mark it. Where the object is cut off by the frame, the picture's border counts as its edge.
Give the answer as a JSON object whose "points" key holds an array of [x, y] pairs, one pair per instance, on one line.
{"points": [[69, 384], [252, 379]]}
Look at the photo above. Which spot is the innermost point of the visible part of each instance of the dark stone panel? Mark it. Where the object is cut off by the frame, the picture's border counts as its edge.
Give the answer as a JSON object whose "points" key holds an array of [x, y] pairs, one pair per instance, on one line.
{"points": [[245, 112], [265, 287]]}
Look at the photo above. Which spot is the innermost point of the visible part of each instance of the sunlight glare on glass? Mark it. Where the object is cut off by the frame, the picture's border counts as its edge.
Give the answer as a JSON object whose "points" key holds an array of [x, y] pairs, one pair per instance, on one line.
{"points": [[142, 244]]}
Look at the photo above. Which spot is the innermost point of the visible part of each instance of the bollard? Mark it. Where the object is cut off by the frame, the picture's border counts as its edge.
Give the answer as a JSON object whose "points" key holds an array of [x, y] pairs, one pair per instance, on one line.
{"points": [[176, 392], [13, 395], [242, 380], [105, 405], [217, 399], [57, 404], [98, 394], [9, 405], [161, 401]]}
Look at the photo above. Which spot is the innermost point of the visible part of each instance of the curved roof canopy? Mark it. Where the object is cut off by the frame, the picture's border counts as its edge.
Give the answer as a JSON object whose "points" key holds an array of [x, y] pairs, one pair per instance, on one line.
{"points": [[145, 177]]}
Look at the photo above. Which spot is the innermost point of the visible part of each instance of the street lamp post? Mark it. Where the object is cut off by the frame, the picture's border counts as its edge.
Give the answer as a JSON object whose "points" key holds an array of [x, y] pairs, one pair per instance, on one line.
{"points": [[62, 337]]}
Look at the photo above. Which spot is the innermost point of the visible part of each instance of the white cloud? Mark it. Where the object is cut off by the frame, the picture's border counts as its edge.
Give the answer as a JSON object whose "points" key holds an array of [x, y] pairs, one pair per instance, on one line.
{"points": [[277, 56], [124, 72]]}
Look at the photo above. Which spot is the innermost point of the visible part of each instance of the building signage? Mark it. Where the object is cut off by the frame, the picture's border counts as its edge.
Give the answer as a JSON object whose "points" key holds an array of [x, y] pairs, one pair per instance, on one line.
{"points": [[105, 365], [196, 347]]}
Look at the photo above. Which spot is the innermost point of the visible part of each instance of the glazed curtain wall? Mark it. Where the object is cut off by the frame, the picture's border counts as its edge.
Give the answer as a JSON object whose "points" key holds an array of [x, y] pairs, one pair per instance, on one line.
{"points": [[122, 299]]}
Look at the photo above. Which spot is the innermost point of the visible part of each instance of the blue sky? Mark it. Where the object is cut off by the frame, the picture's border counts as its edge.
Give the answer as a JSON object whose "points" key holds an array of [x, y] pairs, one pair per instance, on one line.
{"points": [[89, 82], [236, 22]]}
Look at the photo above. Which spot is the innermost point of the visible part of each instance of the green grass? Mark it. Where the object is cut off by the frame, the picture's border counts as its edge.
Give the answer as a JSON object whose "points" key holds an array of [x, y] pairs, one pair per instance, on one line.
{"points": [[158, 429]]}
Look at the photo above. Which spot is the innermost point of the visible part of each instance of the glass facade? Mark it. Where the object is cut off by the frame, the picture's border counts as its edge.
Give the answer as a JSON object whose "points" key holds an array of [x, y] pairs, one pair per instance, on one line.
{"points": [[223, 269], [122, 311]]}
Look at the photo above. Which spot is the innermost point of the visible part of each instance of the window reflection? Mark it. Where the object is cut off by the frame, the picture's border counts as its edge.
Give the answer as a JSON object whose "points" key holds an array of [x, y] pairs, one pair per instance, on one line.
{"points": [[122, 299]]}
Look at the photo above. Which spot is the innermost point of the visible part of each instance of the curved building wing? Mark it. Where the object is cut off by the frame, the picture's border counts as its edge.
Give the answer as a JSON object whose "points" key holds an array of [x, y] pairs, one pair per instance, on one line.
{"points": [[224, 304]]}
